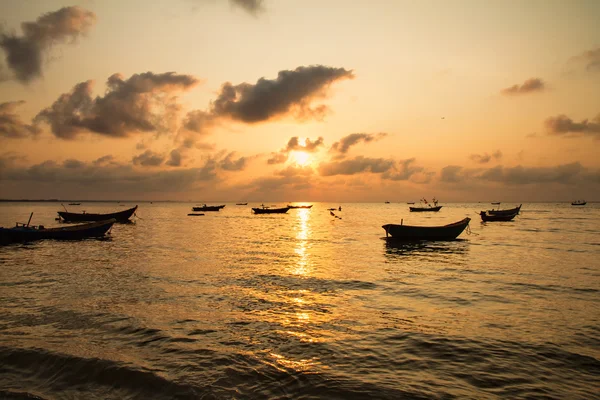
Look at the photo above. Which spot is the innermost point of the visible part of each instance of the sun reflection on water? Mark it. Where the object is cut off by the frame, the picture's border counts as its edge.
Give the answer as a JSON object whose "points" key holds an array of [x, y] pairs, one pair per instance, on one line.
{"points": [[302, 267]]}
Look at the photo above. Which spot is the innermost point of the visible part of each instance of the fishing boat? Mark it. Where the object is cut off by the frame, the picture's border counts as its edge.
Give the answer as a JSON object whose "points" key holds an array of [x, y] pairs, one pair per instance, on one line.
{"points": [[74, 204], [195, 214], [267, 210], [509, 211], [208, 208], [241, 204], [416, 233], [579, 203], [121, 216], [486, 217], [411, 202], [430, 208], [292, 207], [28, 233]]}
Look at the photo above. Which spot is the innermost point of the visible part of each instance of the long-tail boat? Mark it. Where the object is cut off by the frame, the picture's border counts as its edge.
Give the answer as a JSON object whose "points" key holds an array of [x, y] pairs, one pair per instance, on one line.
{"points": [[485, 217], [121, 216], [509, 211], [208, 208], [416, 233], [267, 210]]}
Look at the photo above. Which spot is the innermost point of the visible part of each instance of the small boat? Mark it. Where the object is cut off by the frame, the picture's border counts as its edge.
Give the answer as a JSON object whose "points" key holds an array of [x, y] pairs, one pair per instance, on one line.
{"points": [[208, 208], [416, 233], [241, 204], [387, 202], [74, 204], [195, 214], [497, 203], [267, 210], [485, 217], [292, 207], [27, 233], [579, 203], [121, 216], [412, 202], [424, 209], [509, 211]]}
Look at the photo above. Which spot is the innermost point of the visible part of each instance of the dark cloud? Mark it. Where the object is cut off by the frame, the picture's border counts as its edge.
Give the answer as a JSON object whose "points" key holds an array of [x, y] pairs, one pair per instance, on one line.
{"points": [[529, 86], [563, 174], [404, 170], [278, 158], [356, 165], [348, 141], [295, 171], [148, 159], [253, 7], [485, 157], [24, 53], [563, 125], [230, 164], [11, 125], [175, 158], [78, 176], [590, 60], [142, 103], [107, 159], [291, 93]]}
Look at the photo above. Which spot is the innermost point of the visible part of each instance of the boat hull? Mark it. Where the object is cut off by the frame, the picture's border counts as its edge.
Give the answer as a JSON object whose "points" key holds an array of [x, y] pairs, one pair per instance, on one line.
{"points": [[425, 209], [497, 218], [510, 211], [293, 207], [21, 234], [578, 204], [208, 208], [418, 233], [121, 216], [270, 210]]}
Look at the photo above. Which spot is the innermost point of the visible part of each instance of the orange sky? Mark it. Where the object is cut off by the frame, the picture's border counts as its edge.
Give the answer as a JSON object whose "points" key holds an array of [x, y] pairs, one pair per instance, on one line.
{"points": [[300, 100]]}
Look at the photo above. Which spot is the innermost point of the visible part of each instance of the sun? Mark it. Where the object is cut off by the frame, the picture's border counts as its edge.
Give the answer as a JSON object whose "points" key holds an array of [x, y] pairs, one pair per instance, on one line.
{"points": [[301, 158]]}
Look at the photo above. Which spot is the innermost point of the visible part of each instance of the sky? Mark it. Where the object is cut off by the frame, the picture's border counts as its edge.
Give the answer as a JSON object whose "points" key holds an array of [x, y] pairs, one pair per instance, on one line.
{"points": [[300, 100]]}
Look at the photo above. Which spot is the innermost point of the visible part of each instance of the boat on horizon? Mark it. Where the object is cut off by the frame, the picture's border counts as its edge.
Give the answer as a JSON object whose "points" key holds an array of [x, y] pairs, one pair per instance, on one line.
{"points": [[291, 207], [120, 216], [485, 217], [416, 233], [23, 233], [74, 204], [430, 208], [267, 210], [204, 207], [241, 204], [579, 203]]}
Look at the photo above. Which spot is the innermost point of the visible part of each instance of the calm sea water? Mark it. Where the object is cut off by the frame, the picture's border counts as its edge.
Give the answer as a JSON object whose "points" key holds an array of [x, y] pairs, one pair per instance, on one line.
{"points": [[303, 305]]}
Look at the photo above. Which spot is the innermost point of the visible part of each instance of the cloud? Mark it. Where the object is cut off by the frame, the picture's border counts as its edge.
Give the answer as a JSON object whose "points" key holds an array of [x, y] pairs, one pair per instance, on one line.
{"points": [[590, 60], [294, 145], [148, 159], [230, 164], [107, 159], [291, 93], [563, 125], [253, 7], [485, 157], [24, 53], [111, 177], [356, 165], [562, 174], [348, 141], [11, 125], [174, 158], [403, 170], [529, 86], [142, 103]]}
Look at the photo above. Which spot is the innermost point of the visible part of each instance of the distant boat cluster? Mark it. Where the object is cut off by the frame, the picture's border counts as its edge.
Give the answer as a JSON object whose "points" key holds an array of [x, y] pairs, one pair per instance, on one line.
{"points": [[97, 225]]}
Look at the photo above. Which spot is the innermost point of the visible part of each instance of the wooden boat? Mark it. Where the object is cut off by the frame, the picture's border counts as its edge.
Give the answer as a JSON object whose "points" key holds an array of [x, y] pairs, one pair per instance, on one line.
{"points": [[121, 216], [208, 208], [74, 204], [195, 214], [26, 233], [292, 207], [387, 202], [411, 202], [416, 233], [424, 209], [241, 204], [485, 217], [267, 210], [509, 211], [579, 203]]}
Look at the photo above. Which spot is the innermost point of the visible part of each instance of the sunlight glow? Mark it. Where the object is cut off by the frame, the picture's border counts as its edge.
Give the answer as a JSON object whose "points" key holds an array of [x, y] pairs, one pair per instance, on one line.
{"points": [[301, 158]]}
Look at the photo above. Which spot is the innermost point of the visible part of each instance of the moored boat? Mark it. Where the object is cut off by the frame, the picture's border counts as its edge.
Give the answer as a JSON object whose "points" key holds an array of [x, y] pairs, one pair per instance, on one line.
{"points": [[485, 217], [579, 203], [416, 233], [509, 211], [241, 204], [121, 216], [267, 210], [208, 208], [425, 209], [292, 207], [26, 233]]}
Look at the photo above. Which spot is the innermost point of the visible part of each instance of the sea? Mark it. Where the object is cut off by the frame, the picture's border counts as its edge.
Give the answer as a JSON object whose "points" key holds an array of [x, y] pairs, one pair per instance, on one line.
{"points": [[303, 305]]}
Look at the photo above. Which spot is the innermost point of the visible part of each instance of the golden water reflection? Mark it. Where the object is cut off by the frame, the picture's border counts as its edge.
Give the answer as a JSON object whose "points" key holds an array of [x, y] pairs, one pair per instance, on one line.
{"points": [[303, 230]]}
